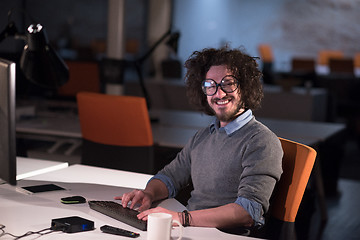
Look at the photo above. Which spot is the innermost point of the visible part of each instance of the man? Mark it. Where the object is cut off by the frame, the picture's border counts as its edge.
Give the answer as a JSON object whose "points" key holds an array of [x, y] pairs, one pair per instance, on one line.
{"points": [[234, 163]]}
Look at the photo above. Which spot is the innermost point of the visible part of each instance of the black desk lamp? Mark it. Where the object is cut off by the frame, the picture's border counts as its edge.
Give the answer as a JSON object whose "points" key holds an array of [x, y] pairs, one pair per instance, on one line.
{"points": [[39, 62]]}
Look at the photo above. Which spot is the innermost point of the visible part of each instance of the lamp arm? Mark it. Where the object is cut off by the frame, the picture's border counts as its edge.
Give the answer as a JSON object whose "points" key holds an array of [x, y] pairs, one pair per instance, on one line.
{"points": [[142, 84], [138, 66], [156, 44]]}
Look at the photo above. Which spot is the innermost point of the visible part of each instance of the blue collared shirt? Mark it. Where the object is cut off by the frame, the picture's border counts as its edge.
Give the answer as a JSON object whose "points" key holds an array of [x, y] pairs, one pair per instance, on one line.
{"points": [[236, 124], [252, 207]]}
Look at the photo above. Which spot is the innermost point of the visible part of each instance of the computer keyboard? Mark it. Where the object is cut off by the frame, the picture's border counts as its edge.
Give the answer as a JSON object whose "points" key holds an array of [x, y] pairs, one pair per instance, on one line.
{"points": [[117, 211]]}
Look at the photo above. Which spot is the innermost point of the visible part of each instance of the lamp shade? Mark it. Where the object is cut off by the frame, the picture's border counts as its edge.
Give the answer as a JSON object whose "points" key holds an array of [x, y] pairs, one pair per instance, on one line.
{"points": [[39, 61]]}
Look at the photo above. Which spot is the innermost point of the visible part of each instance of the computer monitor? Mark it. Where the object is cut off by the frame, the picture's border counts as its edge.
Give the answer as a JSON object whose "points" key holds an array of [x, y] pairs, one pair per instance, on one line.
{"points": [[7, 122]]}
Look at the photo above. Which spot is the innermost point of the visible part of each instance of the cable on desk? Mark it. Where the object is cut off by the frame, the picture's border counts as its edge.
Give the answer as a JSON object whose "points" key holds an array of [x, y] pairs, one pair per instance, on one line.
{"points": [[41, 232]]}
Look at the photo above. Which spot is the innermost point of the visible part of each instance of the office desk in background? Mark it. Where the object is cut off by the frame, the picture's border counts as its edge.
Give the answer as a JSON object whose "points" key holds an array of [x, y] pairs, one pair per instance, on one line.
{"points": [[175, 128], [21, 212]]}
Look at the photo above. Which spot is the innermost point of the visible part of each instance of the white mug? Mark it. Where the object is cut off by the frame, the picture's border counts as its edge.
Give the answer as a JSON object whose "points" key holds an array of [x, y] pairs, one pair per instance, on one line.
{"points": [[159, 226]]}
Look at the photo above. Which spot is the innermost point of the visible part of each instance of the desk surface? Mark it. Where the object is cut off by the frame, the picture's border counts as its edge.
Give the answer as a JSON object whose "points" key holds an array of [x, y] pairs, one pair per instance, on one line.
{"points": [[27, 167], [95, 175], [21, 212], [308, 133]]}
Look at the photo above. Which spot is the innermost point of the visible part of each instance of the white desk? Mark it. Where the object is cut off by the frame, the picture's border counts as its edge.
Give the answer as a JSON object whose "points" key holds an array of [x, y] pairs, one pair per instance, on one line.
{"points": [[27, 167], [21, 212], [95, 175], [308, 133]]}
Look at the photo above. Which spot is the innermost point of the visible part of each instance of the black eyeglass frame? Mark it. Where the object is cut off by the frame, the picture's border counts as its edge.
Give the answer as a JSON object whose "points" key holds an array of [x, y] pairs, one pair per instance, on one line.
{"points": [[217, 85]]}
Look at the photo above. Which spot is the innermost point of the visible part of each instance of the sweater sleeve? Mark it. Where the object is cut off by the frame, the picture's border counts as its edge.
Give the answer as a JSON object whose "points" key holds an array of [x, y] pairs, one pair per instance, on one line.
{"points": [[262, 168], [253, 208], [168, 183], [178, 171]]}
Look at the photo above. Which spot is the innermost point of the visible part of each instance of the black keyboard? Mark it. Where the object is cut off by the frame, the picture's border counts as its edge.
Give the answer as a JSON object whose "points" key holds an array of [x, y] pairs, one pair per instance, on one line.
{"points": [[117, 211]]}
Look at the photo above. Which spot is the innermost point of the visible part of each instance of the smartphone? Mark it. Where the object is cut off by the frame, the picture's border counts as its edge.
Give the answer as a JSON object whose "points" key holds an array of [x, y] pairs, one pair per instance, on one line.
{"points": [[42, 188]]}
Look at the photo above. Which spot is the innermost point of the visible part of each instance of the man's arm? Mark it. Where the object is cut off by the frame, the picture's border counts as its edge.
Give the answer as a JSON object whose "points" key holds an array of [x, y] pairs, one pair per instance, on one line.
{"points": [[226, 216], [157, 189]]}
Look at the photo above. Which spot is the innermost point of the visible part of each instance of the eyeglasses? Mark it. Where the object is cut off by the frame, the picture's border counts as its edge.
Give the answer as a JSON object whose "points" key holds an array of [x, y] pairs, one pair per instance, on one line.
{"points": [[228, 84]]}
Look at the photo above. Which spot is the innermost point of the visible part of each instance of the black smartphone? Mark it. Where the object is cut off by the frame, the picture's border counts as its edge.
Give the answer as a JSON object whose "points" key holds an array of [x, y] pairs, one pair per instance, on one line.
{"points": [[43, 188]]}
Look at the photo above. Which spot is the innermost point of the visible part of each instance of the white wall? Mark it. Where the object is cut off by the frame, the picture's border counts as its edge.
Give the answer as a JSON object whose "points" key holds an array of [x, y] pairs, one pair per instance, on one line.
{"points": [[294, 28]]}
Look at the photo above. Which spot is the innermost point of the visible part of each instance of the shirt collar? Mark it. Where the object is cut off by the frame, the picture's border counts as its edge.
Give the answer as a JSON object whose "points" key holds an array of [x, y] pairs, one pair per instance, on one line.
{"points": [[236, 124]]}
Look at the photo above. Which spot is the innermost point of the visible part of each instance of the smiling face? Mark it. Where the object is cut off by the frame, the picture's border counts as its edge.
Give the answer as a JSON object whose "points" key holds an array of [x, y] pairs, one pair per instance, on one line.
{"points": [[226, 106]]}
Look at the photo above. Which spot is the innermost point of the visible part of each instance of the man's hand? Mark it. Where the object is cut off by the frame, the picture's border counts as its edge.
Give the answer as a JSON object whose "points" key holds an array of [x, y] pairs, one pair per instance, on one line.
{"points": [[144, 214], [136, 196], [155, 190]]}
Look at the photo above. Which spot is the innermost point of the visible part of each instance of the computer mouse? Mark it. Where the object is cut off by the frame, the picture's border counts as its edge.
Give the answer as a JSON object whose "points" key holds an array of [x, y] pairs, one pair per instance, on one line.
{"points": [[73, 200]]}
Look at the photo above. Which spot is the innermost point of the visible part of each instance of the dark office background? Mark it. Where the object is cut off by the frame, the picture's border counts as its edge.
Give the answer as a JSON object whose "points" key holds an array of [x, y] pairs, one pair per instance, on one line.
{"points": [[300, 28], [78, 29], [292, 28]]}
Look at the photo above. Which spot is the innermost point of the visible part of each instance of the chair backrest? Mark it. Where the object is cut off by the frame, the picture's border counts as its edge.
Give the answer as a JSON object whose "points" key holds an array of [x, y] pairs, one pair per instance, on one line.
{"points": [[345, 65], [114, 120], [266, 54], [298, 161], [357, 60], [325, 55], [303, 65], [115, 130]]}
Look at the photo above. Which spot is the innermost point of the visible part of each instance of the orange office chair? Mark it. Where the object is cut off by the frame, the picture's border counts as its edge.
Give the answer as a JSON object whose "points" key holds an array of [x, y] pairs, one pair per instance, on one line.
{"points": [[357, 60], [266, 54], [298, 161], [267, 58], [116, 132], [324, 56]]}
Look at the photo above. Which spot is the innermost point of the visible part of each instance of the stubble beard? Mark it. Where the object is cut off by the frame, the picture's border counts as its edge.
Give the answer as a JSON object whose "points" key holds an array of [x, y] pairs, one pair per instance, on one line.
{"points": [[227, 116]]}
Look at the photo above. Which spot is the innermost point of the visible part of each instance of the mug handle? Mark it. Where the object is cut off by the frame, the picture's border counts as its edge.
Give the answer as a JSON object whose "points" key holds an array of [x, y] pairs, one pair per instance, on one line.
{"points": [[180, 227]]}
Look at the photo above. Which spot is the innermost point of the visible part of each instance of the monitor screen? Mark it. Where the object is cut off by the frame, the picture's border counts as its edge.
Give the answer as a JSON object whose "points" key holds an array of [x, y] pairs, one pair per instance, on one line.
{"points": [[7, 122]]}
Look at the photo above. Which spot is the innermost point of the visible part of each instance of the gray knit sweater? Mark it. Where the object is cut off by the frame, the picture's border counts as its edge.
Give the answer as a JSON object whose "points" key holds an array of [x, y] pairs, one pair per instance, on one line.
{"points": [[222, 167]]}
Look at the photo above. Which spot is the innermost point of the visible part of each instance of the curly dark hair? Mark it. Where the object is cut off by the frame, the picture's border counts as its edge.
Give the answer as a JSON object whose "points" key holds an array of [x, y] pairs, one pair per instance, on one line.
{"points": [[242, 66]]}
